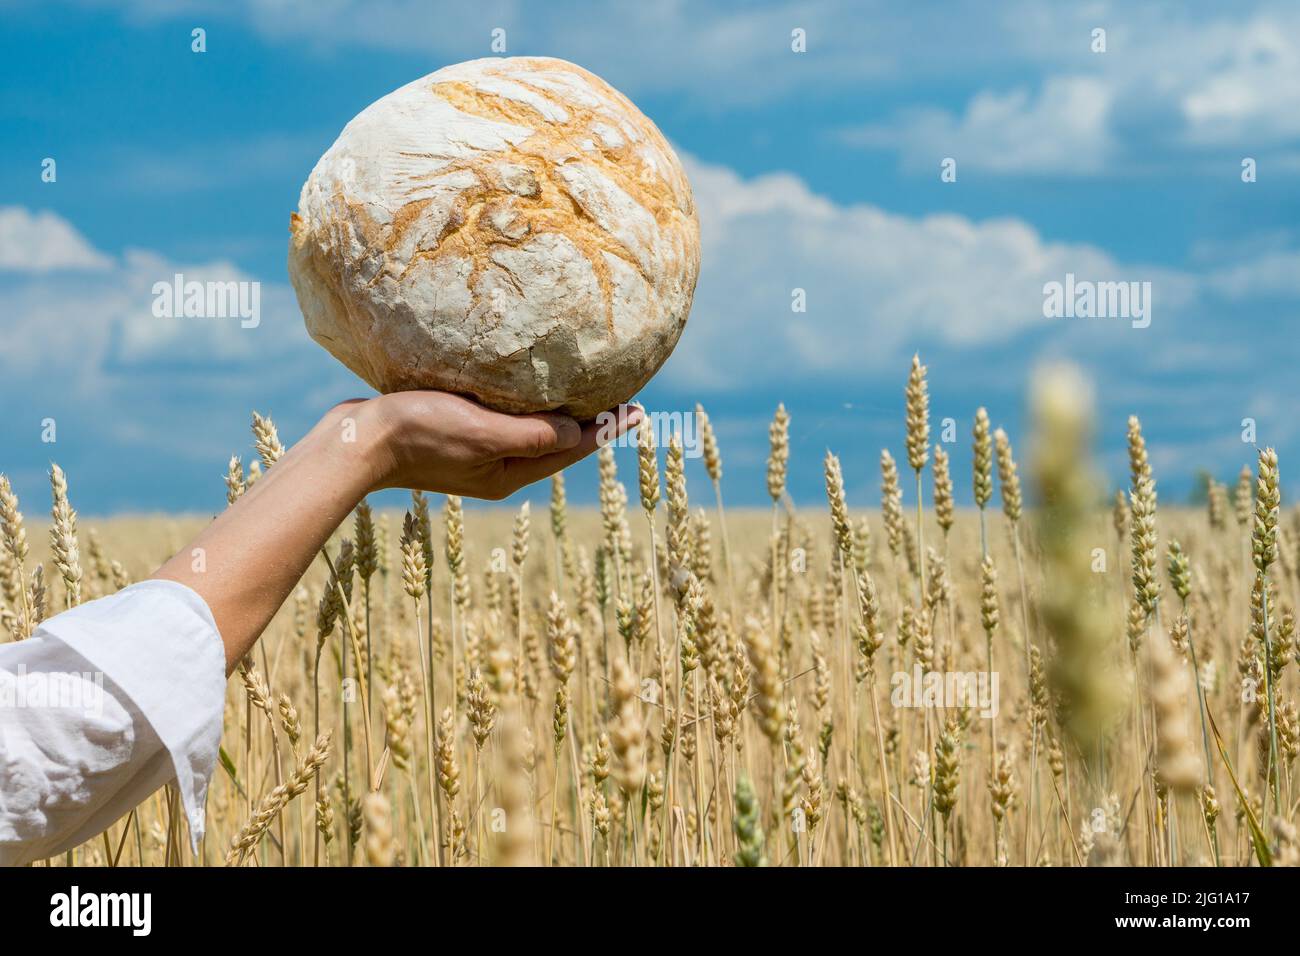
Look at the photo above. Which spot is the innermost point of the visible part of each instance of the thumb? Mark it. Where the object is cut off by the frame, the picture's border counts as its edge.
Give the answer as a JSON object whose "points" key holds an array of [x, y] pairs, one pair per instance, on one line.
{"points": [[531, 436]]}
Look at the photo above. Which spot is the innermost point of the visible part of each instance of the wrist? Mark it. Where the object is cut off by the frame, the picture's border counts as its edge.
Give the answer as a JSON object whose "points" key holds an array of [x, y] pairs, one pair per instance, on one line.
{"points": [[358, 437]]}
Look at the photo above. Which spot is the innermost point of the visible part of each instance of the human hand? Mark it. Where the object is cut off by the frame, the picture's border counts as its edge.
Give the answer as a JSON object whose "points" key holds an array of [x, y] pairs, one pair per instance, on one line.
{"points": [[439, 442]]}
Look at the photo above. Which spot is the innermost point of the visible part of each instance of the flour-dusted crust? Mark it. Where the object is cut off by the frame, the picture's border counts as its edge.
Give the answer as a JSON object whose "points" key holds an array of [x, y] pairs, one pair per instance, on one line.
{"points": [[510, 229]]}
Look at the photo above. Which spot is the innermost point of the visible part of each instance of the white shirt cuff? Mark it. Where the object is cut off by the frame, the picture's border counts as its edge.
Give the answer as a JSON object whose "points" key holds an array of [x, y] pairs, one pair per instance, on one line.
{"points": [[158, 642]]}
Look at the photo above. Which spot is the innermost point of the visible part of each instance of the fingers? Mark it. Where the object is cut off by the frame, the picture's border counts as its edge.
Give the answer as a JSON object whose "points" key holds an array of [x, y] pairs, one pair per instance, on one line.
{"points": [[533, 436], [607, 427]]}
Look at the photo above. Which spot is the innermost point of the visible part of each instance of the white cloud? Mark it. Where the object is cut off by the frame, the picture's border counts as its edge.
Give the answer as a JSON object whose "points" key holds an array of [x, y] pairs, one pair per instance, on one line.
{"points": [[132, 392], [1248, 87], [1062, 126], [1174, 78], [93, 319], [1270, 274], [878, 284], [44, 242]]}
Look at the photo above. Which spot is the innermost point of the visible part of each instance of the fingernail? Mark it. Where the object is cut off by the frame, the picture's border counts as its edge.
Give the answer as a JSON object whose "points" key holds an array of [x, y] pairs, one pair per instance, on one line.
{"points": [[633, 416], [568, 433]]}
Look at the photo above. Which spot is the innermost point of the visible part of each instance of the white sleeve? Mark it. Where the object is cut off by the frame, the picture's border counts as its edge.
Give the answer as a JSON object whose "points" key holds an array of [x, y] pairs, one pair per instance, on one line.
{"points": [[99, 708]]}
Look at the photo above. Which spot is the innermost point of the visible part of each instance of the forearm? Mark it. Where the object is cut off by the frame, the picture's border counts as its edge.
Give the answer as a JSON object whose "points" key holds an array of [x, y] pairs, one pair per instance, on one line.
{"points": [[246, 562]]}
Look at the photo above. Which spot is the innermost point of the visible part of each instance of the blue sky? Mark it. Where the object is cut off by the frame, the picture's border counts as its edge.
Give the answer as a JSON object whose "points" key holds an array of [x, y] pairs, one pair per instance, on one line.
{"points": [[815, 170]]}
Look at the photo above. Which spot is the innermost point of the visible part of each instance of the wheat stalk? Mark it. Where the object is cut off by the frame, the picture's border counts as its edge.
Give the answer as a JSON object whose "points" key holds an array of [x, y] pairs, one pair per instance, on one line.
{"points": [[63, 537], [270, 807]]}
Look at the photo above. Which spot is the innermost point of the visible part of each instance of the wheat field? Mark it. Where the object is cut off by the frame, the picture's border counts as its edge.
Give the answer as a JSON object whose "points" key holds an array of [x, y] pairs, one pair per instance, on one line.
{"points": [[1063, 675]]}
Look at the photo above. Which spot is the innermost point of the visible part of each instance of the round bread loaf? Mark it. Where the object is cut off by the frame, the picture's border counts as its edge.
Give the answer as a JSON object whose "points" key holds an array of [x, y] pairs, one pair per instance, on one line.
{"points": [[514, 230]]}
